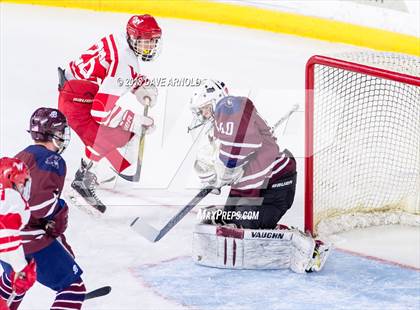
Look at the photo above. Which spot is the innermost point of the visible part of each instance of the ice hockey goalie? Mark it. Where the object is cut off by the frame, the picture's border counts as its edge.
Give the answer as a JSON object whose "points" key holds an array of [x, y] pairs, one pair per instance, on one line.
{"points": [[242, 153]]}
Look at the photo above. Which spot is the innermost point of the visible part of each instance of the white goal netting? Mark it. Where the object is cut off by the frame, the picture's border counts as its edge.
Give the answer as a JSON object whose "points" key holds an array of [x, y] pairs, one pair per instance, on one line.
{"points": [[366, 144]]}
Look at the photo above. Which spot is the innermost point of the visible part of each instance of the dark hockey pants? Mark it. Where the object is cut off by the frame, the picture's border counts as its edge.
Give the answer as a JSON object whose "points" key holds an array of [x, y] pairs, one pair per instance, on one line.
{"points": [[276, 200]]}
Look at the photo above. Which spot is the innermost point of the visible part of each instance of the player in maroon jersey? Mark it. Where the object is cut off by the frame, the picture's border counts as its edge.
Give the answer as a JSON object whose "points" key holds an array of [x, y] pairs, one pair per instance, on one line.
{"points": [[90, 88], [43, 237], [245, 156]]}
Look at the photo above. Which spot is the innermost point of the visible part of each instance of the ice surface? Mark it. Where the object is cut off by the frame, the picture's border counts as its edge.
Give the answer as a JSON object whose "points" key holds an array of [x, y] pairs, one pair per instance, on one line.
{"points": [[347, 282]]}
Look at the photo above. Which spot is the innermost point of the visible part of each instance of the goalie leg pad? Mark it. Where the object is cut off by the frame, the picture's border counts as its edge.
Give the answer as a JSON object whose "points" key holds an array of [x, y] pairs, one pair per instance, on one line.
{"points": [[303, 249], [235, 248]]}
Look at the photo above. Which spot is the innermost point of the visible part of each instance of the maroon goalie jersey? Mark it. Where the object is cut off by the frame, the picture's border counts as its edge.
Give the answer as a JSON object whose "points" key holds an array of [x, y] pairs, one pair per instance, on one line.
{"points": [[48, 171], [246, 140]]}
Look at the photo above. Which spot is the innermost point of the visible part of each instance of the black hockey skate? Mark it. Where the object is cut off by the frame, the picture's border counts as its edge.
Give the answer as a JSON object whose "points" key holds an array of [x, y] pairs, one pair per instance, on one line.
{"points": [[85, 183]]}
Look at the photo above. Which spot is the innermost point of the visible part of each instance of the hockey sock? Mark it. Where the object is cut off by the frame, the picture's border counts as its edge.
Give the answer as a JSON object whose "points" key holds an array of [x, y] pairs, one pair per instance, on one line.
{"points": [[6, 291], [71, 297]]}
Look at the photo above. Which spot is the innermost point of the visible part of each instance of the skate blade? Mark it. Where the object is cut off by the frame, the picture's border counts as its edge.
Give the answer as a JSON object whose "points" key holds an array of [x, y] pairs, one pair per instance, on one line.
{"points": [[79, 202]]}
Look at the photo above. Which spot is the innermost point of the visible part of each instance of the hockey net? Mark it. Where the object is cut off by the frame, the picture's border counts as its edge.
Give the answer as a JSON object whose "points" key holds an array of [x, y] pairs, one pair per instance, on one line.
{"points": [[362, 152]]}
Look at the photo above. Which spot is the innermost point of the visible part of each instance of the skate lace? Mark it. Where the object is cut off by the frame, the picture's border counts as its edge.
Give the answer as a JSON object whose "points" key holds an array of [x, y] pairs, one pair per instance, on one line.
{"points": [[91, 183], [93, 193], [92, 189]]}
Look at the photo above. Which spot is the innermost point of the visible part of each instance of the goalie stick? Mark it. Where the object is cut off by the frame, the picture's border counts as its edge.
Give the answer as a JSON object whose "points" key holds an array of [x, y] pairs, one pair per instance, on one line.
{"points": [[136, 176], [285, 117], [152, 234]]}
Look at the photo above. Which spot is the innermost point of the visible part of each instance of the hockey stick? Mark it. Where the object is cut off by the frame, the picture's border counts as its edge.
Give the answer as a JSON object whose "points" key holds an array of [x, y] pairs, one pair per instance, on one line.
{"points": [[99, 292], [11, 298], [136, 176], [154, 235], [284, 117]]}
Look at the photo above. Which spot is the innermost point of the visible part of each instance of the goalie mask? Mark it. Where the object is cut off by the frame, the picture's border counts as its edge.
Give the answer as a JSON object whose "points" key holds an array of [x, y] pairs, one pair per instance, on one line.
{"points": [[204, 100], [47, 124], [144, 36], [15, 174]]}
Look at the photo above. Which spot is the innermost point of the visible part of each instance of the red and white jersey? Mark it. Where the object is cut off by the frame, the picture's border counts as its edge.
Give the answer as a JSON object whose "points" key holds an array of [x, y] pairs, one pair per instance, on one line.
{"points": [[14, 215], [246, 140], [112, 65]]}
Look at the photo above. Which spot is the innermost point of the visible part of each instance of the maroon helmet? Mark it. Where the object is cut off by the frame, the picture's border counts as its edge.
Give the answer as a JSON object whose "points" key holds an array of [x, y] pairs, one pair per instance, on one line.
{"points": [[47, 124], [143, 36]]}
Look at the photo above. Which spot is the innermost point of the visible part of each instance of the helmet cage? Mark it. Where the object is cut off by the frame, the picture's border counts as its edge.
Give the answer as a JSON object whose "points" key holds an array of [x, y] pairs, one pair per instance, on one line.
{"points": [[208, 94], [199, 119], [145, 48], [61, 139]]}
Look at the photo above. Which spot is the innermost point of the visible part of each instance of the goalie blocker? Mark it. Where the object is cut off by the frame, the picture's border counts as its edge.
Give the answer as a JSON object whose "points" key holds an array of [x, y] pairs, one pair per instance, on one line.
{"points": [[237, 248]]}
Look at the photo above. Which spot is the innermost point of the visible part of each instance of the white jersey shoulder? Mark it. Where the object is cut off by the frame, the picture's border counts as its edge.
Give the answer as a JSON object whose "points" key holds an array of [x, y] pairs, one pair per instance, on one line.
{"points": [[12, 205], [12, 202], [126, 73]]}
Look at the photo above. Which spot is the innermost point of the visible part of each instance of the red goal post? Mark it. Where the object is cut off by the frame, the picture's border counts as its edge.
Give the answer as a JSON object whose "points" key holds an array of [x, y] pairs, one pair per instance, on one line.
{"points": [[349, 102]]}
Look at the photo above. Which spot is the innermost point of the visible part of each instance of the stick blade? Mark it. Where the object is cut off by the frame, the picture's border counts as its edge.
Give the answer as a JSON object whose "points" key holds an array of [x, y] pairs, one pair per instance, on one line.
{"points": [[144, 229], [131, 178], [102, 291]]}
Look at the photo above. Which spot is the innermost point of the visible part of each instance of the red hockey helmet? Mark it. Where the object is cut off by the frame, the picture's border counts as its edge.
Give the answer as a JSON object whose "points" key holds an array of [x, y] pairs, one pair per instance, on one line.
{"points": [[143, 36], [47, 124], [15, 174]]}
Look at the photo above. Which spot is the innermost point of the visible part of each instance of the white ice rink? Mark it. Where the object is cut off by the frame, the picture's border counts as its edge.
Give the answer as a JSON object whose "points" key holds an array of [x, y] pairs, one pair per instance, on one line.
{"points": [[267, 67]]}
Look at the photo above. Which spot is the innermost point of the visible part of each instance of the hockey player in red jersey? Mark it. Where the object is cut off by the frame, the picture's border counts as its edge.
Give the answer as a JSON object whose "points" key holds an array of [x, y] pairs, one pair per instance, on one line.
{"points": [[43, 237], [90, 88], [15, 186], [245, 156]]}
